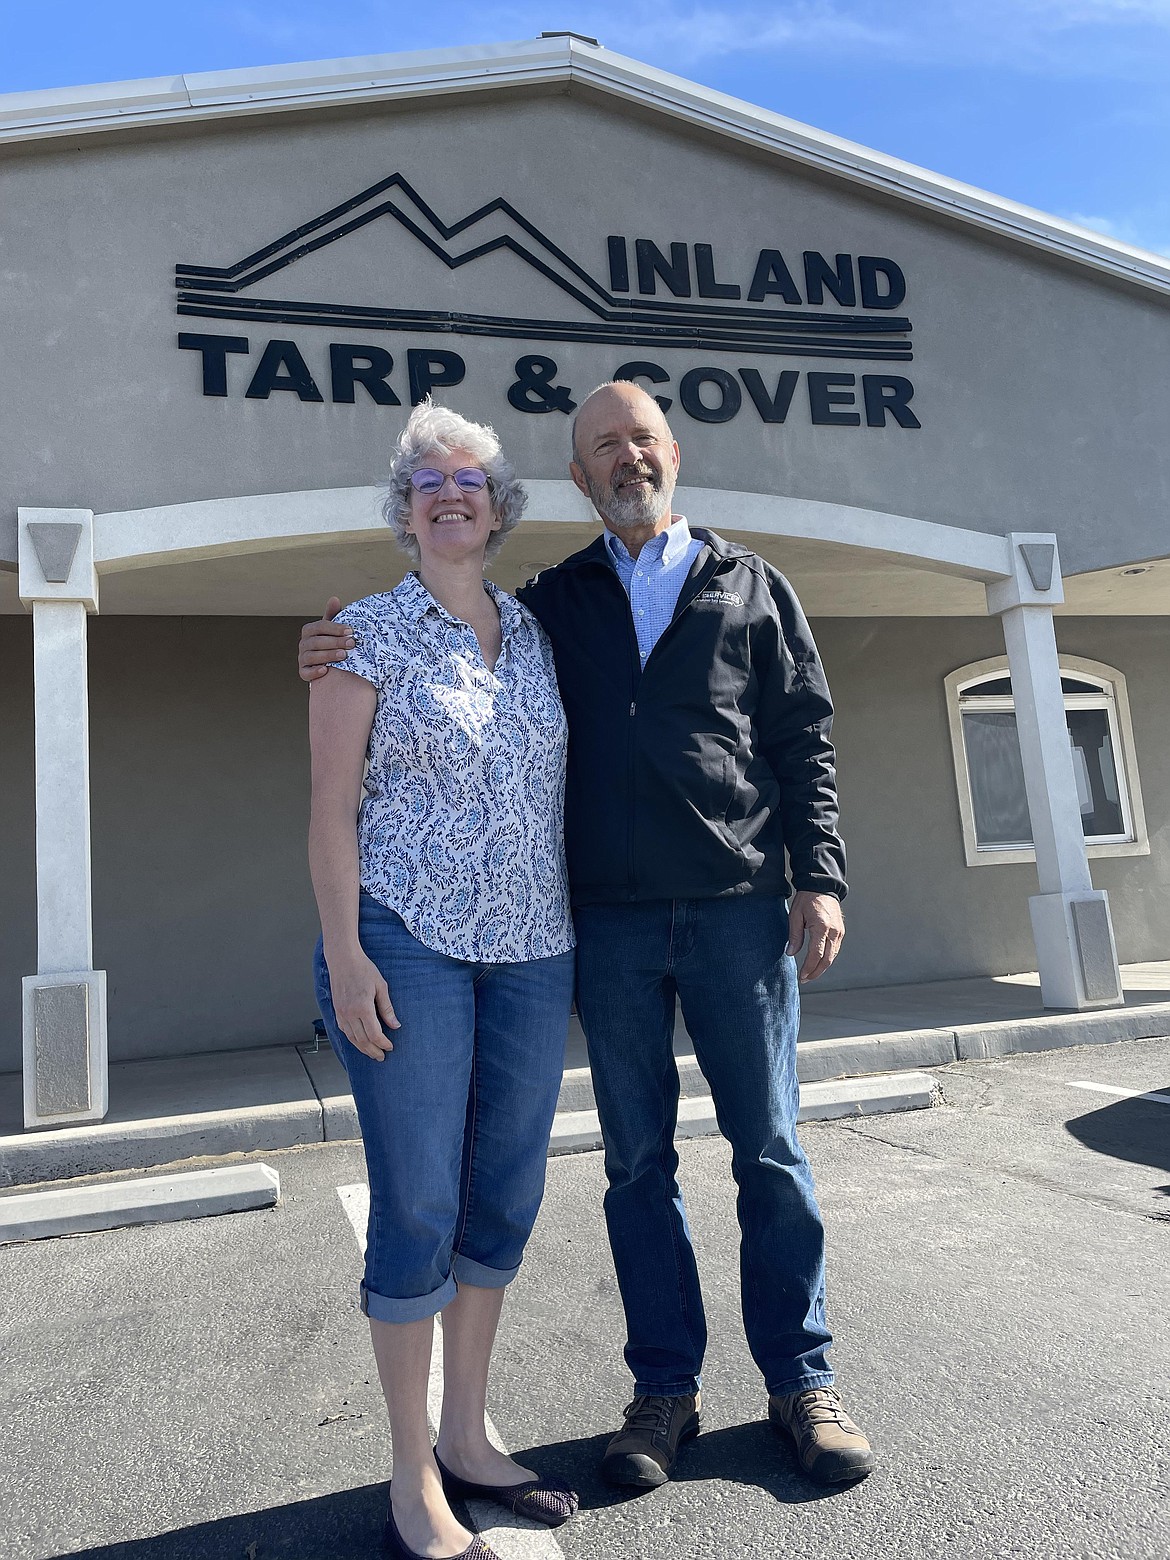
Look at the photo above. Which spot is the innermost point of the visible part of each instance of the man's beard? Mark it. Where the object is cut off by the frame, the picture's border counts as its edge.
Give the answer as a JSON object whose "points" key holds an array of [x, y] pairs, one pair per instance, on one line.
{"points": [[625, 508]]}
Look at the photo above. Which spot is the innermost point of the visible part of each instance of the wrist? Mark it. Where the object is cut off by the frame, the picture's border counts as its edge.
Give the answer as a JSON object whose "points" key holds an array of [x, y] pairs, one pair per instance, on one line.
{"points": [[339, 950]]}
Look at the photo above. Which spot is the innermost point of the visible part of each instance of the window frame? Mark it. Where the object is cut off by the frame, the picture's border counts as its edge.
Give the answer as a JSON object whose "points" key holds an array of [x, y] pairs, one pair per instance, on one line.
{"points": [[1115, 698]]}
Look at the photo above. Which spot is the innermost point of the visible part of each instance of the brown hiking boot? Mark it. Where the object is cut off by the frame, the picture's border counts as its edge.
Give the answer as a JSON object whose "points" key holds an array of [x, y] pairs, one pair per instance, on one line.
{"points": [[642, 1453], [830, 1447]]}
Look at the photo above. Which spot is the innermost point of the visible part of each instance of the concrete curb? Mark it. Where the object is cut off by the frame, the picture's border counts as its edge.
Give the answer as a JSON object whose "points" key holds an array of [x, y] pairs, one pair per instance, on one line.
{"points": [[58, 1155], [291, 1096], [155, 1199], [577, 1131]]}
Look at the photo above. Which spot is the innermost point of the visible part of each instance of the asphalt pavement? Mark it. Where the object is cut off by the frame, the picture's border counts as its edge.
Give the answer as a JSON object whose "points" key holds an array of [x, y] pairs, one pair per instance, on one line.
{"points": [[998, 1271]]}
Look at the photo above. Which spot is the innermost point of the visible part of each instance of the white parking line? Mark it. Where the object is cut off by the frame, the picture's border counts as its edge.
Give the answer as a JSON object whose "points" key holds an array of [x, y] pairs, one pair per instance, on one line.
{"points": [[1122, 1094], [513, 1538]]}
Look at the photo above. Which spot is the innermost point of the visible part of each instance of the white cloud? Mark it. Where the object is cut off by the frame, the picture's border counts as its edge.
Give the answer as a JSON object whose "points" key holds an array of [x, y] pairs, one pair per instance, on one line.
{"points": [[1064, 37], [1148, 229], [1126, 39]]}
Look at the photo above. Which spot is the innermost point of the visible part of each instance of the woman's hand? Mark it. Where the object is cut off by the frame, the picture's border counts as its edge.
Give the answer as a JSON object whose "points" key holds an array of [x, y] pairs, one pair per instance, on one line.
{"points": [[361, 1002]]}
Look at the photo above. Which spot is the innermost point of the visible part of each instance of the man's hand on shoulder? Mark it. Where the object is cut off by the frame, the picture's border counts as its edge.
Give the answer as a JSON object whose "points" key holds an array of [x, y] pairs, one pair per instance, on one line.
{"points": [[819, 916], [323, 643]]}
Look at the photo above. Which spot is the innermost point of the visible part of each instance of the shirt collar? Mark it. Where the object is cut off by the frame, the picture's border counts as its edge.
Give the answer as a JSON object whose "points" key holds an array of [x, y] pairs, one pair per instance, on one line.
{"points": [[666, 548], [415, 601]]}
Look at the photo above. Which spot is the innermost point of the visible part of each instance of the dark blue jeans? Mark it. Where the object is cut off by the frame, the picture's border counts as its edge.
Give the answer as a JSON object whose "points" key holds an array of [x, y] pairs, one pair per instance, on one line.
{"points": [[725, 961]]}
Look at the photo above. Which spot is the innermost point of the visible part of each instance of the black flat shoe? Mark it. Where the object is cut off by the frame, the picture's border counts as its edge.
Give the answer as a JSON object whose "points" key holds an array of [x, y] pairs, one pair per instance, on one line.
{"points": [[535, 1499], [395, 1547]]}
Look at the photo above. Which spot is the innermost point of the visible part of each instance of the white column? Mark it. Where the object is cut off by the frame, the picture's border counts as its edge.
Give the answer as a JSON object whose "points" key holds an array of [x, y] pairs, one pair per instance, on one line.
{"points": [[66, 1074], [1075, 950]]}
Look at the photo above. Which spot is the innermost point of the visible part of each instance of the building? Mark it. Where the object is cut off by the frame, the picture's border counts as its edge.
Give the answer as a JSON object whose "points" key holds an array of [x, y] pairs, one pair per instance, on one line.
{"points": [[942, 414]]}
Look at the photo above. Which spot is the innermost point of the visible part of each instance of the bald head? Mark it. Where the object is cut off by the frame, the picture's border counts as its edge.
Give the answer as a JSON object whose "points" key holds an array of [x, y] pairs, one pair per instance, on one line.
{"points": [[614, 394], [624, 457]]}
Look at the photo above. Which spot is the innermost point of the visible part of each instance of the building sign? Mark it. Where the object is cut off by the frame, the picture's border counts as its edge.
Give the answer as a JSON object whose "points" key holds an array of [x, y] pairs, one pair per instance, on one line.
{"points": [[655, 296]]}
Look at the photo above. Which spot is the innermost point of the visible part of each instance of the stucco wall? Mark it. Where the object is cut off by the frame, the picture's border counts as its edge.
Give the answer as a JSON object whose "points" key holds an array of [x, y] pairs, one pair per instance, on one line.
{"points": [[1041, 389], [916, 911], [203, 912]]}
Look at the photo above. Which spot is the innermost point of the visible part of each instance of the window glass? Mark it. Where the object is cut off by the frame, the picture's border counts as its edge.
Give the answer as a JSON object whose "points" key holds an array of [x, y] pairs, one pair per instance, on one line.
{"points": [[997, 778], [992, 771], [996, 769], [1001, 687], [1096, 773], [1077, 685]]}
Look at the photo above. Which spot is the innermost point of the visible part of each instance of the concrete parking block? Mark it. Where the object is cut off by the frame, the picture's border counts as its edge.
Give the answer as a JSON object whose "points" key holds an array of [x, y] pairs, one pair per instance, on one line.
{"points": [[155, 1199], [872, 1096]]}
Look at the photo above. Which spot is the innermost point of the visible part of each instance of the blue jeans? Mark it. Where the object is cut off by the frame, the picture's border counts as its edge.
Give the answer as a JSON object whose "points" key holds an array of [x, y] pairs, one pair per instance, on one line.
{"points": [[725, 961], [456, 1119]]}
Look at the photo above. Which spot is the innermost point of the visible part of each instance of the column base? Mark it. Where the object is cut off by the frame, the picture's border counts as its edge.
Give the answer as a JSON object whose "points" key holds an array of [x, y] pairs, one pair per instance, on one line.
{"points": [[66, 1071], [1075, 950]]}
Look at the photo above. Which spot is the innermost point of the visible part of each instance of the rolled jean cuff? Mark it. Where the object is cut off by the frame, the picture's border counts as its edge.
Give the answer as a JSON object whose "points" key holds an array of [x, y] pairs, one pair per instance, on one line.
{"points": [[466, 1271], [806, 1383], [414, 1308], [682, 1387]]}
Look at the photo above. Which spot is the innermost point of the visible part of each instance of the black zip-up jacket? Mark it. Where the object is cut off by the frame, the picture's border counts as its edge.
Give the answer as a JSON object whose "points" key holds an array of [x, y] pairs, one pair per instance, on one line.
{"points": [[688, 778]]}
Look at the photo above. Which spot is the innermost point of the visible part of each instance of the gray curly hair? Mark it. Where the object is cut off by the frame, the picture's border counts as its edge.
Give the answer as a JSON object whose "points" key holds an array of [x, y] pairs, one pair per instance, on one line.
{"points": [[437, 430]]}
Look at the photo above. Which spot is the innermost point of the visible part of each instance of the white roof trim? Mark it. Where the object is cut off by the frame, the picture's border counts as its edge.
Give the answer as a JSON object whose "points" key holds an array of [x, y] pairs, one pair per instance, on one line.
{"points": [[31, 116]]}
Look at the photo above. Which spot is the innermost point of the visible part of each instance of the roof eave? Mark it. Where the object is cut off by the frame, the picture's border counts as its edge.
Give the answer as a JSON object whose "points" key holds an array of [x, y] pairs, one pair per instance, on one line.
{"points": [[33, 116]]}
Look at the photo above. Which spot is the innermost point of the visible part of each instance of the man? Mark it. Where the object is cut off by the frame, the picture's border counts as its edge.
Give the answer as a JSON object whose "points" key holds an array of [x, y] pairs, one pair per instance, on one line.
{"points": [[699, 753]]}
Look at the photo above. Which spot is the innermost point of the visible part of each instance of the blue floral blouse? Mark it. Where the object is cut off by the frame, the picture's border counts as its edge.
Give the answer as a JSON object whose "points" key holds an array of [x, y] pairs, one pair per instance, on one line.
{"points": [[461, 827]]}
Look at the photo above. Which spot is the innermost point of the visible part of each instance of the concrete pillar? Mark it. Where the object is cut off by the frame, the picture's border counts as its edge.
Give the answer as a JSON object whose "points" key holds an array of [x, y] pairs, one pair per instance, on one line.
{"points": [[66, 1072], [1075, 950]]}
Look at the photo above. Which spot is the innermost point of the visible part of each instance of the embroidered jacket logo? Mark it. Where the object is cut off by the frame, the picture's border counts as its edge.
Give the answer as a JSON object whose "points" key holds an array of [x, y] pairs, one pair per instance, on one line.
{"points": [[729, 596]]}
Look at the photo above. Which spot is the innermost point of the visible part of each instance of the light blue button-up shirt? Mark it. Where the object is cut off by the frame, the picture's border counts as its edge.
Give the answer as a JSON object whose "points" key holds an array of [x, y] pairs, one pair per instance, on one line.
{"points": [[654, 579]]}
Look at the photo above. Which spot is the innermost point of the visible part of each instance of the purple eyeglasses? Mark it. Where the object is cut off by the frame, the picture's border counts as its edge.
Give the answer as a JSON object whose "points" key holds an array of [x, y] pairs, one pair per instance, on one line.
{"points": [[469, 479]]}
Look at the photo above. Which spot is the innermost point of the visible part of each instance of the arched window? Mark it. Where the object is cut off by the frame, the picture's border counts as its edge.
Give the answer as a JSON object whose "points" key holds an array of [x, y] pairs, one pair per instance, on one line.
{"points": [[989, 771]]}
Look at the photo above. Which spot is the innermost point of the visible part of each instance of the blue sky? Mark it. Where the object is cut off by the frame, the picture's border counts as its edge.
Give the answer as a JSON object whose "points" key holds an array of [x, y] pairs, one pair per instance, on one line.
{"points": [[1063, 104]]}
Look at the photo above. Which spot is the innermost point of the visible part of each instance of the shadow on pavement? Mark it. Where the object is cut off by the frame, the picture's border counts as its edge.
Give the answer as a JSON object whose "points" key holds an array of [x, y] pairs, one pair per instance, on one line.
{"points": [[343, 1526], [348, 1524], [1136, 1130], [751, 1454]]}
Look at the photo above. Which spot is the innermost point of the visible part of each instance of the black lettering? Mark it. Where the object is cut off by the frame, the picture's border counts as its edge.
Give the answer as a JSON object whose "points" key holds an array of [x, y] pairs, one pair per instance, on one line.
{"points": [[282, 368], [534, 390], [652, 263], [432, 369], [887, 393], [869, 269], [772, 276], [822, 397], [705, 276], [731, 399], [819, 274], [215, 350], [366, 366], [619, 263], [772, 408], [654, 372]]}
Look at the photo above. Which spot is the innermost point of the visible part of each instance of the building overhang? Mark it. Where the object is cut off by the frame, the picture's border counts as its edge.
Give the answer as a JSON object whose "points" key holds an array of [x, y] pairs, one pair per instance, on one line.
{"points": [[284, 554]]}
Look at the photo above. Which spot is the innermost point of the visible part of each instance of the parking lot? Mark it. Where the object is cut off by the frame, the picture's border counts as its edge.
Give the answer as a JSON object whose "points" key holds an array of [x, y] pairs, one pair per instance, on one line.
{"points": [[998, 1274]]}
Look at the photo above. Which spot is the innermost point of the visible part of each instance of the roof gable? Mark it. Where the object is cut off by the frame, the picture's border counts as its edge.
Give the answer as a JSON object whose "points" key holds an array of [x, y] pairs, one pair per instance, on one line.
{"points": [[559, 60]]}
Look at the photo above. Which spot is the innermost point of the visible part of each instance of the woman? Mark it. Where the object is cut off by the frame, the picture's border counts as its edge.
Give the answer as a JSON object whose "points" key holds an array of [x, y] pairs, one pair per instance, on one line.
{"points": [[445, 967]]}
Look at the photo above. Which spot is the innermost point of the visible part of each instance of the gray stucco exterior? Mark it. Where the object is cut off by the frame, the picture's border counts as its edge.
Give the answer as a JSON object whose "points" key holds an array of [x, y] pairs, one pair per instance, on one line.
{"points": [[1042, 392], [203, 913], [1040, 386]]}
